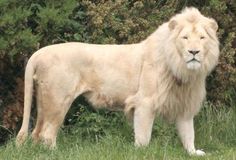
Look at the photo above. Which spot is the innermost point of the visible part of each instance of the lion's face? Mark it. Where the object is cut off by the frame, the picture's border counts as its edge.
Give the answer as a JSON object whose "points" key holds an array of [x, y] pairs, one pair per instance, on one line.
{"points": [[192, 43], [193, 37]]}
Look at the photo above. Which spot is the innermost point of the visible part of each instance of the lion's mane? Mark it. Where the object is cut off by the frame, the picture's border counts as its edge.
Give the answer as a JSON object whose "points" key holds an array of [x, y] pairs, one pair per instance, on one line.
{"points": [[180, 91]]}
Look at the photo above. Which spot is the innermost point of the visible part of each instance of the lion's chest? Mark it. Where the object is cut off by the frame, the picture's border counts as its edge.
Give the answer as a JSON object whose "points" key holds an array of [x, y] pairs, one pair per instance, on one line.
{"points": [[181, 100]]}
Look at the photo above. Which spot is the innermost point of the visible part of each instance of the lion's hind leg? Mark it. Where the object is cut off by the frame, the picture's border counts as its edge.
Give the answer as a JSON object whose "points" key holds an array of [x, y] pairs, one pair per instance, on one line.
{"points": [[54, 100], [39, 122], [53, 115]]}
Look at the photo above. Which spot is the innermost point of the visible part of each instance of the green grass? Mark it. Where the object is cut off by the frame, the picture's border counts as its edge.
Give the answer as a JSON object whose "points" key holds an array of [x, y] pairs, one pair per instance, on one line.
{"points": [[215, 133]]}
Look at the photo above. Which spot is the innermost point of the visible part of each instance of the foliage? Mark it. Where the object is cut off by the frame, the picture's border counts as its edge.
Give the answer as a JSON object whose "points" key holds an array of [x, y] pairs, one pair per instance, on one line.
{"points": [[28, 25], [95, 124], [85, 122]]}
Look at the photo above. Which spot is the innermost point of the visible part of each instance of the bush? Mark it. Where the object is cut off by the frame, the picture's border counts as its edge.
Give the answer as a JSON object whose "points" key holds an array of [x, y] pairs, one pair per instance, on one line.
{"points": [[27, 25]]}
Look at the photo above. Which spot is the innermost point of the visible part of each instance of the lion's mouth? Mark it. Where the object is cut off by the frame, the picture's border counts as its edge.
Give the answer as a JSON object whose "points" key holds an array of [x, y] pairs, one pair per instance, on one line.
{"points": [[193, 60]]}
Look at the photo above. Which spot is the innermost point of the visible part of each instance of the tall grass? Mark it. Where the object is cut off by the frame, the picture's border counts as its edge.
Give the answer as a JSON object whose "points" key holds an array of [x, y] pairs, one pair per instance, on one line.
{"points": [[215, 133]]}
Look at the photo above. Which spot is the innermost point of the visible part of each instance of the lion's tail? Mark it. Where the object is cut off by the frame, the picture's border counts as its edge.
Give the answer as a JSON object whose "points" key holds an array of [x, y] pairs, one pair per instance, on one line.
{"points": [[28, 94]]}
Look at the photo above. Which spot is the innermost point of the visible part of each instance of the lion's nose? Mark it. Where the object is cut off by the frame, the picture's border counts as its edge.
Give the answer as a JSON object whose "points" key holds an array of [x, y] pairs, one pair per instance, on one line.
{"points": [[194, 52]]}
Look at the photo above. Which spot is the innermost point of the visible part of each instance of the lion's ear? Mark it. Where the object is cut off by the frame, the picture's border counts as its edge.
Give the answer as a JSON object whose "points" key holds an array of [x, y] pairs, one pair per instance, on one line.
{"points": [[172, 24], [213, 25]]}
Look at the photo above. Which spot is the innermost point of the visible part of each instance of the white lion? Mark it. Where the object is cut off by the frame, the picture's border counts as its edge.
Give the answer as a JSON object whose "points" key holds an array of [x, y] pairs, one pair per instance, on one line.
{"points": [[163, 74]]}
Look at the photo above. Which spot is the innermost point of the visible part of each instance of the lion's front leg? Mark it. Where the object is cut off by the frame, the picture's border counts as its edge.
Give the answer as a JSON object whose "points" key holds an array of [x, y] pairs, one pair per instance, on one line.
{"points": [[143, 121], [185, 128]]}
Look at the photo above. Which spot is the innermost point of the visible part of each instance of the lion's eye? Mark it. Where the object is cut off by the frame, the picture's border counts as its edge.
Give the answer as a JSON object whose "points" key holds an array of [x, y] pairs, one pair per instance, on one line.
{"points": [[185, 37], [202, 37]]}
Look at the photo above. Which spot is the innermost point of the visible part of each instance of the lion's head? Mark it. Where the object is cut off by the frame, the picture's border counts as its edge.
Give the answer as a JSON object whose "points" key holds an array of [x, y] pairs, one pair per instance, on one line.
{"points": [[192, 44]]}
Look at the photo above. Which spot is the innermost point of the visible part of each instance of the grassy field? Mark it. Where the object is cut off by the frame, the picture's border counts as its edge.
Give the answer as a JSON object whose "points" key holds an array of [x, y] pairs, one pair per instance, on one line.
{"points": [[215, 134]]}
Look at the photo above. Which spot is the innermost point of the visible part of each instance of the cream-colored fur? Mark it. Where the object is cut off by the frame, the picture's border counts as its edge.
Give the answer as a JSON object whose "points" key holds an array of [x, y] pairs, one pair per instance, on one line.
{"points": [[163, 74]]}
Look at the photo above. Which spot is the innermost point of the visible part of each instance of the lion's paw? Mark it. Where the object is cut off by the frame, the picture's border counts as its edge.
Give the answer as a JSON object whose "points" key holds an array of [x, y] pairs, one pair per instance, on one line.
{"points": [[197, 153], [21, 137], [200, 152]]}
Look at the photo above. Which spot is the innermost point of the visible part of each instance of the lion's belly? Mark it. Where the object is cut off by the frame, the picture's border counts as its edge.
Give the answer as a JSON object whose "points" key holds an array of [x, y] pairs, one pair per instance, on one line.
{"points": [[112, 93], [100, 100], [110, 85]]}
